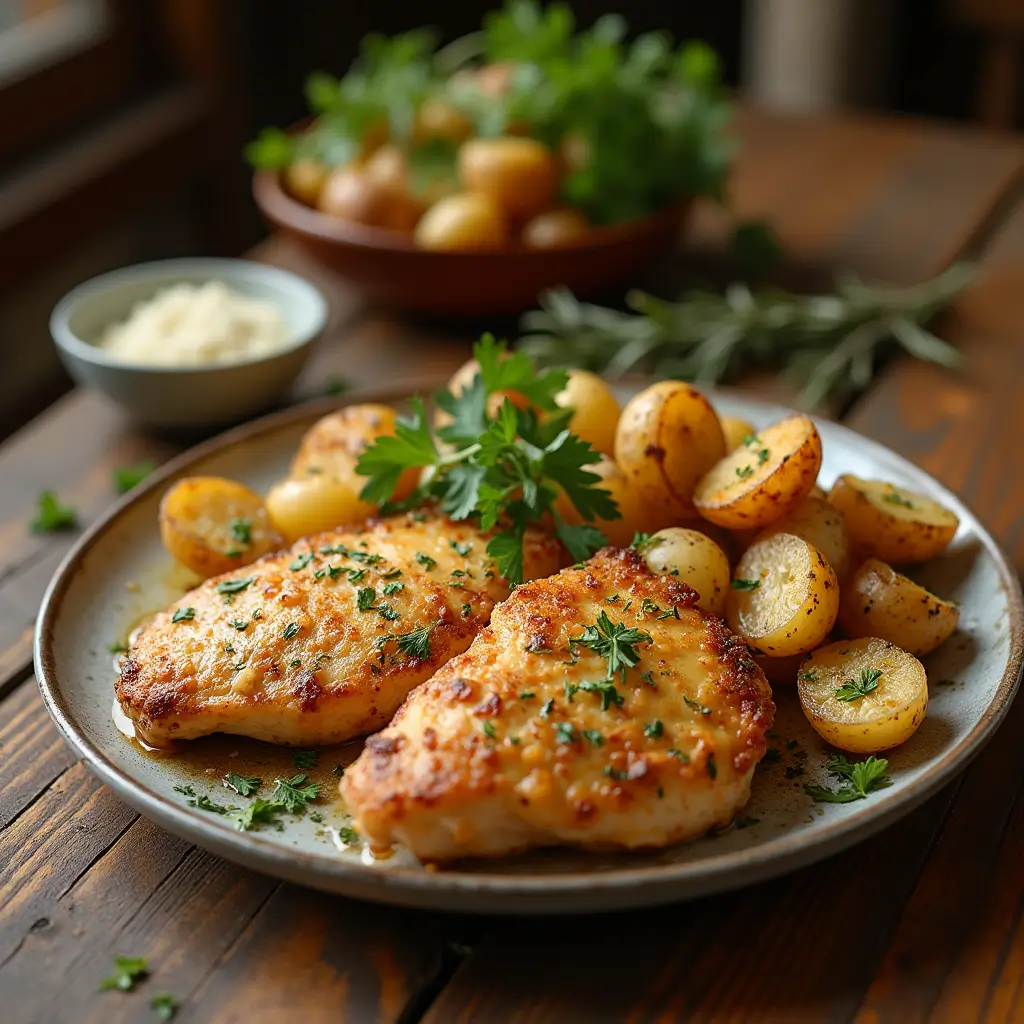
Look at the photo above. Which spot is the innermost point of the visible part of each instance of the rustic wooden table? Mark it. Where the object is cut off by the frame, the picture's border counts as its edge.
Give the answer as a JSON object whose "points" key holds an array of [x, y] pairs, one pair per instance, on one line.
{"points": [[922, 921]]}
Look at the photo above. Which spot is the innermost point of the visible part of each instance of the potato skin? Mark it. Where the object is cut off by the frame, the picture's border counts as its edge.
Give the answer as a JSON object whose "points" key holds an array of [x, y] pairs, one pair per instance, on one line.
{"points": [[884, 718], [764, 480], [794, 605], [890, 523], [519, 175], [878, 601], [735, 430], [464, 222], [818, 522], [620, 532], [693, 558], [307, 505], [596, 410], [555, 228], [667, 438], [196, 525]]}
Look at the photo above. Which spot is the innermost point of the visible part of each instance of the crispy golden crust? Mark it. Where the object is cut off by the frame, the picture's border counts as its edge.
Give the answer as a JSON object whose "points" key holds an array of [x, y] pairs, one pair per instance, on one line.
{"points": [[292, 658], [508, 746]]}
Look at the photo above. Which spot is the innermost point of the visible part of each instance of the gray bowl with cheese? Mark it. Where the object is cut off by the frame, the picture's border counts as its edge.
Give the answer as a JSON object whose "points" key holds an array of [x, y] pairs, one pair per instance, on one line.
{"points": [[193, 395]]}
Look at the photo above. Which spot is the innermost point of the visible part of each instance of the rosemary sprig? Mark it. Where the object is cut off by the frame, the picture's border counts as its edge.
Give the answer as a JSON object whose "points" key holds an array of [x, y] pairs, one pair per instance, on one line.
{"points": [[830, 344]]}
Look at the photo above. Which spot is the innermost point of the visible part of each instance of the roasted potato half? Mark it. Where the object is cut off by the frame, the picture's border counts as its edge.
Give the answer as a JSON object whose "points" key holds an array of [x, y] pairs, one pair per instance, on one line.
{"points": [[784, 597], [596, 410], [634, 519], [695, 559], [306, 505], [818, 522], [863, 695], [667, 438], [736, 431], [879, 601], [213, 525], [764, 479], [893, 524]]}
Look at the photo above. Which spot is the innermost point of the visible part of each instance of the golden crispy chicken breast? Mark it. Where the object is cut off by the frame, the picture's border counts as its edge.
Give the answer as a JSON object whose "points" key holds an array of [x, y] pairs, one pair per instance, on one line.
{"points": [[545, 732], [322, 642]]}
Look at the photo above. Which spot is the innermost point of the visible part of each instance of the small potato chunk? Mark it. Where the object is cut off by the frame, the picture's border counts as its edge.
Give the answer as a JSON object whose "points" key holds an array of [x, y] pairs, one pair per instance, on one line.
{"points": [[764, 479], [554, 229], [784, 597], [863, 695], [304, 179], [695, 559], [736, 431], [465, 222], [818, 522], [349, 194], [303, 506], [596, 410], [635, 518], [519, 175], [893, 524], [667, 438], [438, 119], [213, 525], [878, 601], [332, 446]]}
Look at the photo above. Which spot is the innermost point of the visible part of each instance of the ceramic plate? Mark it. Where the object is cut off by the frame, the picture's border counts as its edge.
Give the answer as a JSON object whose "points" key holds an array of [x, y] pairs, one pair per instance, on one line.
{"points": [[119, 572]]}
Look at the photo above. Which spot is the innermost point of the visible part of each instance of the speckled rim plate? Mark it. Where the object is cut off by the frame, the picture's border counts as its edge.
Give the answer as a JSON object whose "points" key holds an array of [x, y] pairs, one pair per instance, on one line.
{"points": [[791, 832]]}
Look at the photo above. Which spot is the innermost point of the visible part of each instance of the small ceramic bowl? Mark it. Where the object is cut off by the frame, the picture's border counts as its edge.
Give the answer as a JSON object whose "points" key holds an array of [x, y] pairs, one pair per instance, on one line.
{"points": [[185, 397], [390, 268]]}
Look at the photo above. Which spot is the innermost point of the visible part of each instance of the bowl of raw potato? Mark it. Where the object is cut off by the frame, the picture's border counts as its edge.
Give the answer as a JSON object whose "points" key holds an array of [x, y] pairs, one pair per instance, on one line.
{"points": [[466, 179]]}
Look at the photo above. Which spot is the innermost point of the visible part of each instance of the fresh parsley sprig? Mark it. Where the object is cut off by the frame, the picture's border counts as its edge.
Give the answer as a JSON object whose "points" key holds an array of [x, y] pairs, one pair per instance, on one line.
{"points": [[861, 686], [614, 641], [859, 777], [506, 469]]}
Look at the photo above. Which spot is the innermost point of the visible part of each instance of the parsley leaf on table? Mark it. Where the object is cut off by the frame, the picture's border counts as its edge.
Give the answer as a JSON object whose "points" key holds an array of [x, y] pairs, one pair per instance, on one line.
{"points": [[127, 477], [860, 777], [164, 1005], [53, 515], [127, 971]]}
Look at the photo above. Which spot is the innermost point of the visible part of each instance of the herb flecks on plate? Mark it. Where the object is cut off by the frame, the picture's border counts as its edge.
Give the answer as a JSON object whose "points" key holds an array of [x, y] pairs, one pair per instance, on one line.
{"points": [[505, 470]]}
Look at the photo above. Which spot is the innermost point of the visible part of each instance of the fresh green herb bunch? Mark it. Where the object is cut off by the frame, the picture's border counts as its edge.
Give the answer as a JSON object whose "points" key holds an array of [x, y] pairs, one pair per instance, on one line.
{"points": [[648, 116], [506, 469], [830, 344]]}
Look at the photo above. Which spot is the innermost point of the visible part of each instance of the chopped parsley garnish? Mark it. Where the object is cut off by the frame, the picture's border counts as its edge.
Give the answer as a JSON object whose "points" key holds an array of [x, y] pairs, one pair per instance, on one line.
{"points": [[467, 610], [127, 971], [808, 675], [506, 467], [605, 688], [240, 624], [365, 557], [614, 641], [426, 561], [183, 614], [164, 1005], [355, 575], [673, 752], [393, 588], [693, 705], [228, 588], [489, 731], [527, 695], [203, 802], [348, 835], [711, 766], [859, 777], [293, 794], [302, 561], [648, 678], [291, 630], [338, 770], [305, 759], [117, 648], [243, 785], [593, 736], [461, 549], [416, 643], [565, 733], [742, 584], [385, 611], [640, 541], [547, 707], [241, 530], [570, 690], [865, 683], [654, 730], [52, 515], [744, 471], [365, 598], [127, 477], [615, 773], [259, 812], [895, 498]]}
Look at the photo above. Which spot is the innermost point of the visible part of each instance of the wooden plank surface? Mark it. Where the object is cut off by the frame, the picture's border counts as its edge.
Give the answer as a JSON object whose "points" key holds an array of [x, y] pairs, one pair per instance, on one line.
{"points": [[90, 879]]}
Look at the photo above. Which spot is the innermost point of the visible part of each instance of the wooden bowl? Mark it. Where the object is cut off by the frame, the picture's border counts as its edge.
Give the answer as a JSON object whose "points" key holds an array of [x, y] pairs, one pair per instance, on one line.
{"points": [[389, 267]]}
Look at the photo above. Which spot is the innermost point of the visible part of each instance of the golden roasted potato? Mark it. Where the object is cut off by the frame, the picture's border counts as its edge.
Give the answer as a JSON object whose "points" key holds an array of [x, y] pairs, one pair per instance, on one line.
{"points": [[519, 175], [303, 506], [555, 228], [878, 601], [818, 522], [817, 492], [596, 410], [213, 525], [695, 559], [350, 194], [438, 119], [893, 524], [305, 179], [464, 222], [619, 532], [332, 446], [784, 596], [764, 479], [863, 695], [736, 431], [667, 438]]}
